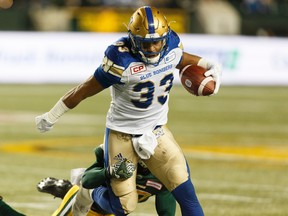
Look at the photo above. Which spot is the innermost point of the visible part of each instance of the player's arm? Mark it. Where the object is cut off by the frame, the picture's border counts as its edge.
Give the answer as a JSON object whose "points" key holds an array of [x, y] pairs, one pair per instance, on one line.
{"points": [[188, 59], [165, 203], [95, 175], [105, 75], [70, 100], [86, 89], [212, 68]]}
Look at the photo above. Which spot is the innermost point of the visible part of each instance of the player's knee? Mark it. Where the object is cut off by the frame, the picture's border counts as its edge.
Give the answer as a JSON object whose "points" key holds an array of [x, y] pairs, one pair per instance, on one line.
{"points": [[126, 192], [177, 172], [129, 202], [176, 175]]}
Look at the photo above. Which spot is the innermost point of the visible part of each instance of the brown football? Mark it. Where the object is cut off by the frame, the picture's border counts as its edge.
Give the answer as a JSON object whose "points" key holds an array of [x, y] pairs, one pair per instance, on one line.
{"points": [[195, 82]]}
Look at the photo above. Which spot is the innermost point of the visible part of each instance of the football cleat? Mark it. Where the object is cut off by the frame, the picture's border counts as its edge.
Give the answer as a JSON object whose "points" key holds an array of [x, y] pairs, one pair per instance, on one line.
{"points": [[55, 187]]}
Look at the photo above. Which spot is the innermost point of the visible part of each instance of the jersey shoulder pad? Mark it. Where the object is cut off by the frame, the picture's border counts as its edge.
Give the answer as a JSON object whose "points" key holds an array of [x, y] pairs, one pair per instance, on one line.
{"points": [[120, 52], [174, 41]]}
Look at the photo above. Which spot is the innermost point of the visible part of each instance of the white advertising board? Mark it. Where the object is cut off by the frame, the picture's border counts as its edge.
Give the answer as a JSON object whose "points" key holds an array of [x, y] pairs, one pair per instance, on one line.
{"points": [[38, 57]]}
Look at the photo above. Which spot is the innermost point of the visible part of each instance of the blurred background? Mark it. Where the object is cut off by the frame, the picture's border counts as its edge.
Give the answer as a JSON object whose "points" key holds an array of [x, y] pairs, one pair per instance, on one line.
{"points": [[220, 17], [44, 38]]}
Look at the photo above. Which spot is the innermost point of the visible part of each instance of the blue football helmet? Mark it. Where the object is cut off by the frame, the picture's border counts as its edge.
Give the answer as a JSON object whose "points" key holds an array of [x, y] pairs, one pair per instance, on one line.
{"points": [[149, 27]]}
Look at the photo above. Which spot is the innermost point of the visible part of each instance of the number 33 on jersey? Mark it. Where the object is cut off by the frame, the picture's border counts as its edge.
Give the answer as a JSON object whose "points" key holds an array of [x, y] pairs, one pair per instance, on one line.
{"points": [[146, 86]]}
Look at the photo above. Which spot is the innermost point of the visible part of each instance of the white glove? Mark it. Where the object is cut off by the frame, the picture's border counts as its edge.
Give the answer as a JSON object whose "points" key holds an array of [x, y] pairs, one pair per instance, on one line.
{"points": [[42, 123], [46, 121], [213, 70]]}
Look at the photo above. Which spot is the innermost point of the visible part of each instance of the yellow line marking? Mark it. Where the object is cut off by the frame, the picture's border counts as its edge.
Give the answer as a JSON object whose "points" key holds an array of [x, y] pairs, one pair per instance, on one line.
{"points": [[76, 146], [257, 151], [85, 145]]}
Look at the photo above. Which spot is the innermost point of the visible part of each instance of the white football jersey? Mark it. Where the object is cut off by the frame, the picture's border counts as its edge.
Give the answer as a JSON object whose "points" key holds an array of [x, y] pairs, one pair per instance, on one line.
{"points": [[140, 92]]}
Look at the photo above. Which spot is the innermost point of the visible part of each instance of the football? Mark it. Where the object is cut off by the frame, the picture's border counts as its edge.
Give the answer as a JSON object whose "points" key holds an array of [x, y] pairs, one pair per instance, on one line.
{"points": [[195, 82]]}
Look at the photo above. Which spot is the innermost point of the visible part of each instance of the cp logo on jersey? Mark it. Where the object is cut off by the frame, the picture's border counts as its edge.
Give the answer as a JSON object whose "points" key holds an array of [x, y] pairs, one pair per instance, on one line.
{"points": [[138, 68]]}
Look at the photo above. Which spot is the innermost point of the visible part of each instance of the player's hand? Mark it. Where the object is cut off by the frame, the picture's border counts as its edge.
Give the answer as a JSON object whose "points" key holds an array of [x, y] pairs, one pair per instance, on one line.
{"points": [[123, 169], [216, 72], [213, 70], [42, 123]]}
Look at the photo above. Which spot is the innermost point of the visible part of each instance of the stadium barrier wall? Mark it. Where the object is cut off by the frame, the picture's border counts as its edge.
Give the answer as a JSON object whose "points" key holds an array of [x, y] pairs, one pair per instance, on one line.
{"points": [[50, 57]]}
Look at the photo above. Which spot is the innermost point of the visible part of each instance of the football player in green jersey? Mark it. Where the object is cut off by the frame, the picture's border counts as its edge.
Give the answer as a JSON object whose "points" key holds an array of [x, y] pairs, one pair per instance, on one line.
{"points": [[147, 185], [96, 176]]}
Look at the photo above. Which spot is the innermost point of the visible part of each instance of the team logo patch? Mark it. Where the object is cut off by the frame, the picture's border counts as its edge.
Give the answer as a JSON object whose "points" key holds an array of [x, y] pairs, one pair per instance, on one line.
{"points": [[138, 69], [170, 57], [153, 184], [158, 132]]}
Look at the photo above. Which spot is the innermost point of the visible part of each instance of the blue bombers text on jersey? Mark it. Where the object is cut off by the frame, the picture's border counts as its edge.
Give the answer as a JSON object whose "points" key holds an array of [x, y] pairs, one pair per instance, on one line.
{"points": [[140, 92]]}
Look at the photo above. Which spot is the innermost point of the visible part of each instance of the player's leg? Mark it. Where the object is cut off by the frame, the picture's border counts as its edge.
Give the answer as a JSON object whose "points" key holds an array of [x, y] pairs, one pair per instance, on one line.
{"points": [[65, 208], [65, 190], [169, 165], [186, 197], [83, 202], [168, 157], [67, 202], [122, 194]]}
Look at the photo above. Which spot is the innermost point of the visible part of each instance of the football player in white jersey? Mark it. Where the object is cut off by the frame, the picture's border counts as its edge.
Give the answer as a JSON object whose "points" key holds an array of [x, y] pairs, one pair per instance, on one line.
{"points": [[139, 71]]}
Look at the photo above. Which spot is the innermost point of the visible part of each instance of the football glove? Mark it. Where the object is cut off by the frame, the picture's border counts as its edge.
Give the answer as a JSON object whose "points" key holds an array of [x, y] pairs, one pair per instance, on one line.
{"points": [[46, 121], [122, 169], [42, 123], [213, 70]]}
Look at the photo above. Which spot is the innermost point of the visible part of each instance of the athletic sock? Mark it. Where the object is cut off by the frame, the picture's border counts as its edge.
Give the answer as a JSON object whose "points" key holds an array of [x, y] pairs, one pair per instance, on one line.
{"points": [[187, 199]]}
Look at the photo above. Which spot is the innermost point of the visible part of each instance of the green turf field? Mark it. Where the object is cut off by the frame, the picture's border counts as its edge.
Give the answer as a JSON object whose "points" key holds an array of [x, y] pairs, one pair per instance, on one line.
{"points": [[236, 144]]}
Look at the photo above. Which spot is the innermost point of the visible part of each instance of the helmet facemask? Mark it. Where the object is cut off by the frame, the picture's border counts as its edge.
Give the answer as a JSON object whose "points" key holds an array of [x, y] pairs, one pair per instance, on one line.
{"points": [[148, 27], [149, 57]]}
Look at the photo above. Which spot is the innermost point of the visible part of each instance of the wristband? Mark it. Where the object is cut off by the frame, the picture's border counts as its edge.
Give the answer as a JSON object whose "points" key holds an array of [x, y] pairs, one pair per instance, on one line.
{"points": [[57, 111]]}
